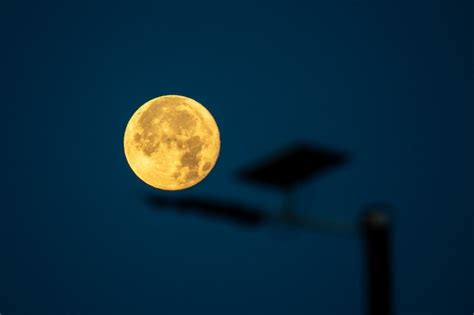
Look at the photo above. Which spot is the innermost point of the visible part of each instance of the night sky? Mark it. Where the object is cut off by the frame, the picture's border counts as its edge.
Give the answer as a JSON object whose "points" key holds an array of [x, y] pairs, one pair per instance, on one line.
{"points": [[389, 82]]}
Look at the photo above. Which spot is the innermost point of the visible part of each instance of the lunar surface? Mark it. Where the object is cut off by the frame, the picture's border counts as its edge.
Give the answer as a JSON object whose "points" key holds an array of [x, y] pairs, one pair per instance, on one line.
{"points": [[172, 142]]}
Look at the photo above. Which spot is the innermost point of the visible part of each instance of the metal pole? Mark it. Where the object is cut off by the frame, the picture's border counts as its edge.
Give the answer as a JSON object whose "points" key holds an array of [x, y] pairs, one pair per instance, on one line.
{"points": [[376, 232]]}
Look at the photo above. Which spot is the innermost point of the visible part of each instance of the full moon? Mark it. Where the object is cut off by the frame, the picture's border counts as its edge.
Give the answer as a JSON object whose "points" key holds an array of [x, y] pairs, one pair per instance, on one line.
{"points": [[172, 142]]}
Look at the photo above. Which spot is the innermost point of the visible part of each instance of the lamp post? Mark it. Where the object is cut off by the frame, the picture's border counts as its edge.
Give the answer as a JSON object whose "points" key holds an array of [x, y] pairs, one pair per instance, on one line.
{"points": [[284, 172], [376, 231]]}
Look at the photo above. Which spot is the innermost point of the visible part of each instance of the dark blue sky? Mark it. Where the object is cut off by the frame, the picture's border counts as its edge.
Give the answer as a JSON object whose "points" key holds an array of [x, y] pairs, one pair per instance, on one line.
{"points": [[388, 81]]}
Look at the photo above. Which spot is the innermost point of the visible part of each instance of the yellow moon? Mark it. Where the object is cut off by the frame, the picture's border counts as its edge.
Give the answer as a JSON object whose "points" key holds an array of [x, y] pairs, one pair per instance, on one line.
{"points": [[172, 142]]}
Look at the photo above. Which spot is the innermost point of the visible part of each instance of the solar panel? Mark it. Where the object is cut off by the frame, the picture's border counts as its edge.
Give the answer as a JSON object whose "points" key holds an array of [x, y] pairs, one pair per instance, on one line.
{"points": [[292, 166]]}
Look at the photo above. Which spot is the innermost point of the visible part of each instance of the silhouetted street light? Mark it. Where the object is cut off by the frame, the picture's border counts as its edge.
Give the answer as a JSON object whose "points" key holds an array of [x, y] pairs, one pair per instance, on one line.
{"points": [[285, 172]]}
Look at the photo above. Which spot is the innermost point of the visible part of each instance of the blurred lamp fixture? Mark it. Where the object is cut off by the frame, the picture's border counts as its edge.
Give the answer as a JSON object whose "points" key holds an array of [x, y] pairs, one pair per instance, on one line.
{"points": [[284, 172]]}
